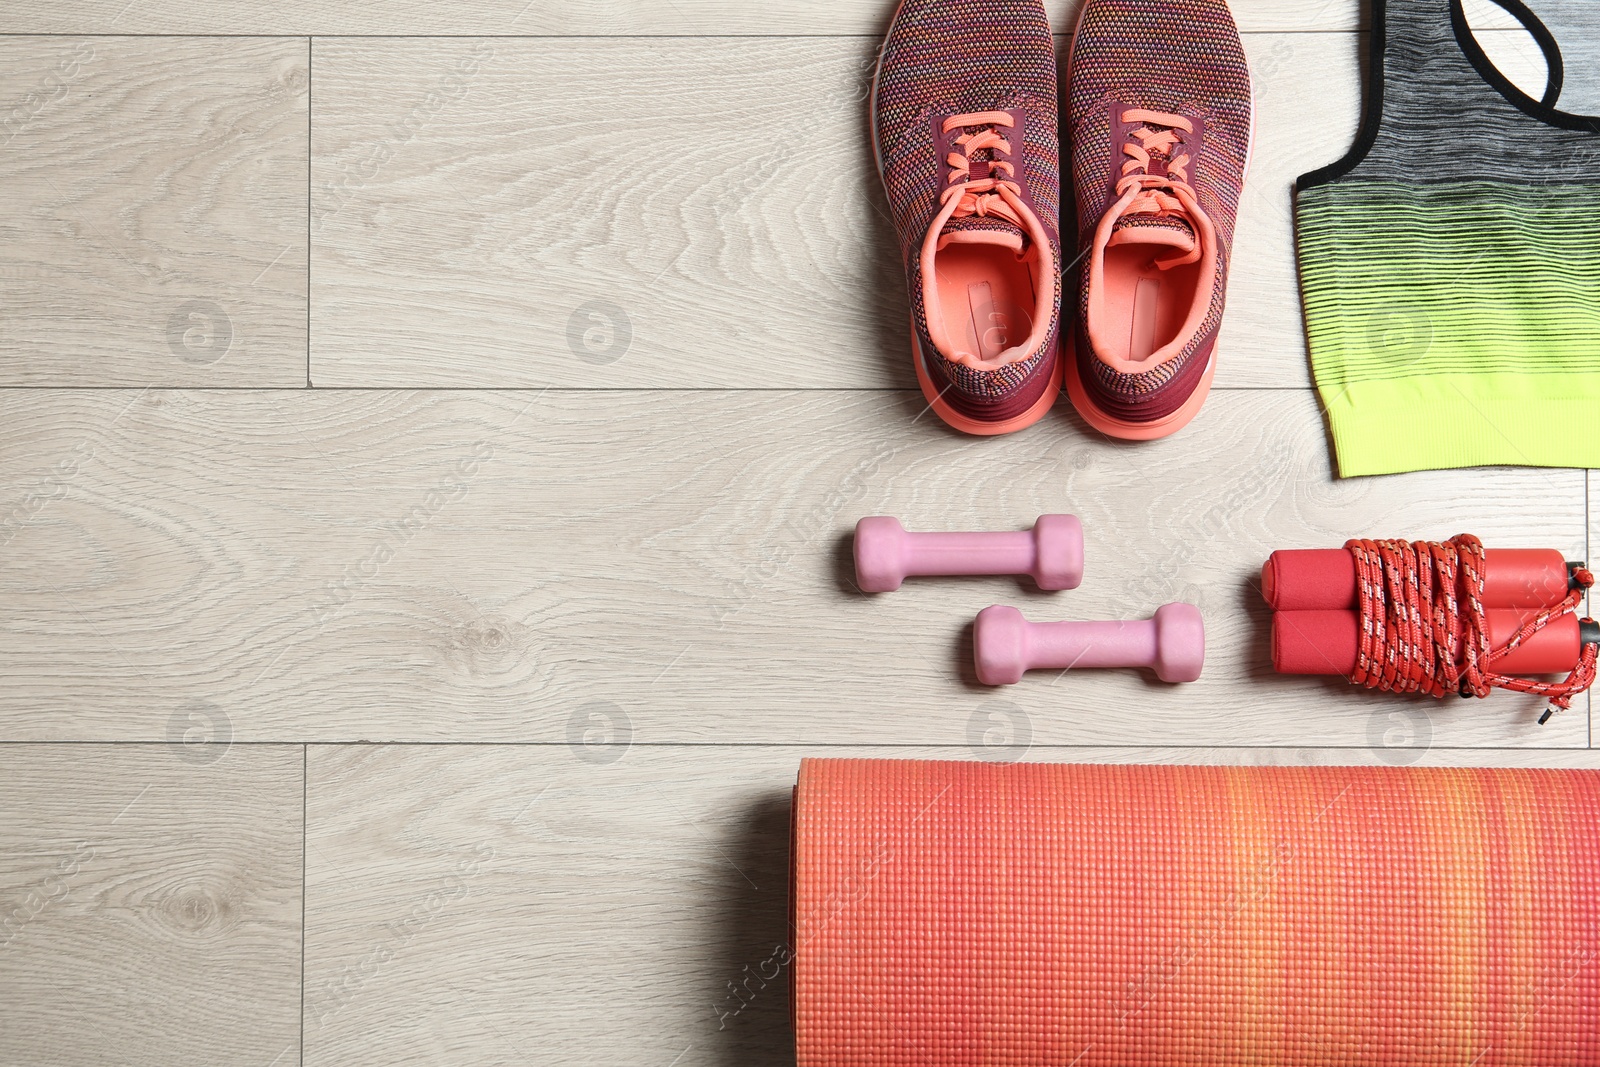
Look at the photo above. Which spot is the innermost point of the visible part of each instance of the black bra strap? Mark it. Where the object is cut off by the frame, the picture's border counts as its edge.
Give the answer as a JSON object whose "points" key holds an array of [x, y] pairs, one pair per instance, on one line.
{"points": [[1427, 75], [1547, 44]]}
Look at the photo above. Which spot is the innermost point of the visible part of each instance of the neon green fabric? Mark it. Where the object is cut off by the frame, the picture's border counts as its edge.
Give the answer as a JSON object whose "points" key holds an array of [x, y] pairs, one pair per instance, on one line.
{"points": [[1454, 325]]}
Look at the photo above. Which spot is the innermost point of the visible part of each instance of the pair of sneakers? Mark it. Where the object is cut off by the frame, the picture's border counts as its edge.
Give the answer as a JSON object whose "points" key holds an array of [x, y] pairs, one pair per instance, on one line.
{"points": [[1159, 121]]}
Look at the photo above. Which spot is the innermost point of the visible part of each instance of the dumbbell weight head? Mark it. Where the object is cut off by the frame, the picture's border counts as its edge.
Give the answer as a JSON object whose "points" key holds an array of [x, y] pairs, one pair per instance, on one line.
{"points": [[1000, 645], [1180, 643], [1060, 552], [880, 549]]}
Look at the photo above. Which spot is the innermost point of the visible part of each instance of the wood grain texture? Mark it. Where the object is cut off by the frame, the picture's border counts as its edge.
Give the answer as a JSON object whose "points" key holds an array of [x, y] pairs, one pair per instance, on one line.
{"points": [[590, 17], [598, 17], [502, 213], [151, 902], [467, 566], [690, 213], [582, 573], [521, 905], [155, 227], [549, 17]]}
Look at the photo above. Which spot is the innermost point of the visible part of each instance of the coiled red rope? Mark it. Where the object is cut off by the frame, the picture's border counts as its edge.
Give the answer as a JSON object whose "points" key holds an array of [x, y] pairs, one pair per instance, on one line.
{"points": [[1423, 626]]}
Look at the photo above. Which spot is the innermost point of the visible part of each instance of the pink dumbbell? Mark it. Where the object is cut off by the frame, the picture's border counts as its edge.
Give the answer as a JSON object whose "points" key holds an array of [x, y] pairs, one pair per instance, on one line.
{"points": [[886, 555], [1006, 645]]}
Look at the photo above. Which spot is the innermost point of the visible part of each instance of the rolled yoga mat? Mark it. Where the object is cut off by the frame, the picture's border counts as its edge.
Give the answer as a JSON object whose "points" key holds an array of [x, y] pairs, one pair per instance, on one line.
{"points": [[1086, 916]]}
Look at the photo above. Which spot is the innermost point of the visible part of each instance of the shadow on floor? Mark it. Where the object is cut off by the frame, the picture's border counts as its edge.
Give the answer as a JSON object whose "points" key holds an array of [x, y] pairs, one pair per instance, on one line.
{"points": [[750, 995]]}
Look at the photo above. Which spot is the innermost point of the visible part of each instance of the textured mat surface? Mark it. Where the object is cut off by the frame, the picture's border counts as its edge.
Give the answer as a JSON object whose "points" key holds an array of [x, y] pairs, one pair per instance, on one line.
{"points": [[950, 913]]}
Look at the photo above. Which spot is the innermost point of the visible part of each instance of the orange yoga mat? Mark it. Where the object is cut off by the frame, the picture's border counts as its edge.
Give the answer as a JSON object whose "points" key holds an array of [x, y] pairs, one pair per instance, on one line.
{"points": [[1087, 916]]}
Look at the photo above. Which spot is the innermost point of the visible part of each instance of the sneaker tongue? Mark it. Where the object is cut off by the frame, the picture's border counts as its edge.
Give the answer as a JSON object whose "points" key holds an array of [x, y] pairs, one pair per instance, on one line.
{"points": [[1169, 231], [981, 230]]}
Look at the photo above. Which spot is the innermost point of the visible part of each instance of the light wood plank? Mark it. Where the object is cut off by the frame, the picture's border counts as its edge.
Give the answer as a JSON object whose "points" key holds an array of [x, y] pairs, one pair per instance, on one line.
{"points": [[718, 194], [598, 17], [590, 17], [578, 17], [155, 228], [483, 566], [691, 213], [491, 213], [504, 905], [151, 902]]}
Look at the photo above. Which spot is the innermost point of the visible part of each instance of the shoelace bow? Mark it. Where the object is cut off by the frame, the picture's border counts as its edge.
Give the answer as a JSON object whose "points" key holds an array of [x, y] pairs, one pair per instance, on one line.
{"points": [[1416, 597], [985, 196], [1156, 193]]}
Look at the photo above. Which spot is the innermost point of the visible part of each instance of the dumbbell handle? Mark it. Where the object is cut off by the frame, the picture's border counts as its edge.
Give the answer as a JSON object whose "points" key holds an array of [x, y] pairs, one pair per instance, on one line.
{"points": [[1091, 645], [1006, 645], [886, 553], [938, 555]]}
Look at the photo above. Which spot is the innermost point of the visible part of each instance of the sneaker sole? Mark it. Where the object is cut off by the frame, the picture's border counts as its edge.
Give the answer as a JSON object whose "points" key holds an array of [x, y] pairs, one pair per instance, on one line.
{"points": [[1152, 430], [978, 427]]}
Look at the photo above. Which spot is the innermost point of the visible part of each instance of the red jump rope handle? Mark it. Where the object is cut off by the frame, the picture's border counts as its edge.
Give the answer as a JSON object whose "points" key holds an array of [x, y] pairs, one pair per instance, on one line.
{"points": [[1325, 579], [1325, 642]]}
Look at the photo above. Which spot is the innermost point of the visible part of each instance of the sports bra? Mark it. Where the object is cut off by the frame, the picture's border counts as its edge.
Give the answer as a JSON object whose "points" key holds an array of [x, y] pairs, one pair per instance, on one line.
{"points": [[1450, 263]]}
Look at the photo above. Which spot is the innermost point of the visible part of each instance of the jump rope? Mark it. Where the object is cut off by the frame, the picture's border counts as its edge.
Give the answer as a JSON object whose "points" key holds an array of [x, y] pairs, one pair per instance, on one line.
{"points": [[1436, 618], [1424, 627]]}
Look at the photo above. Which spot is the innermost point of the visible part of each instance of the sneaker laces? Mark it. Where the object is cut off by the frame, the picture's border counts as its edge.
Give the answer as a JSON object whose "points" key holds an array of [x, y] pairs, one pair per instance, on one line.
{"points": [[989, 196], [1158, 194], [983, 194]]}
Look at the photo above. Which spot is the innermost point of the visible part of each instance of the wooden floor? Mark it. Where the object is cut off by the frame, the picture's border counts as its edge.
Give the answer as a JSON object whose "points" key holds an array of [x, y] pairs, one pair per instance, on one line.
{"points": [[429, 439]]}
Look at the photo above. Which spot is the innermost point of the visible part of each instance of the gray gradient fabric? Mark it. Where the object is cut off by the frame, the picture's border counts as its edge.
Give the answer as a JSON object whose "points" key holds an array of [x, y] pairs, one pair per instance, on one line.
{"points": [[1443, 121]]}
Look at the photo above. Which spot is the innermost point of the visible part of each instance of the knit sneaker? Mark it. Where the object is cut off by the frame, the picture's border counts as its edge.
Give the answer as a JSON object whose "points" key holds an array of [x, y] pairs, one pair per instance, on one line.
{"points": [[964, 114], [1160, 122]]}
